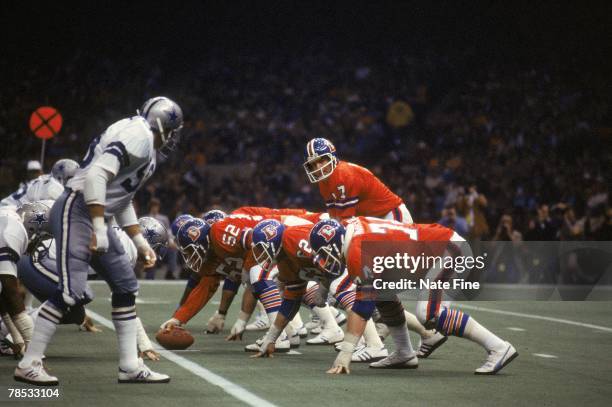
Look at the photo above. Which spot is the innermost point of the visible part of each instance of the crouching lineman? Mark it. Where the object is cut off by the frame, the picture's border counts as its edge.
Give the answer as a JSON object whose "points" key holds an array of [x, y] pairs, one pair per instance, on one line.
{"points": [[335, 246], [38, 273], [116, 165], [287, 248], [20, 232]]}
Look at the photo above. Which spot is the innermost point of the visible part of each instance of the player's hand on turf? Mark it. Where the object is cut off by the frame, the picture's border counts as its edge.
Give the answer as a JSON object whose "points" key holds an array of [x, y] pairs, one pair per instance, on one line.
{"points": [[267, 351], [149, 354], [236, 331], [215, 323], [169, 324], [89, 326], [339, 370]]}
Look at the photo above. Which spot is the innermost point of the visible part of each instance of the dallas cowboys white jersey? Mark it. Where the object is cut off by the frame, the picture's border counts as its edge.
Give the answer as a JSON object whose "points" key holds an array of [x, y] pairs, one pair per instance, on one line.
{"points": [[130, 141], [13, 241], [43, 188], [14, 199]]}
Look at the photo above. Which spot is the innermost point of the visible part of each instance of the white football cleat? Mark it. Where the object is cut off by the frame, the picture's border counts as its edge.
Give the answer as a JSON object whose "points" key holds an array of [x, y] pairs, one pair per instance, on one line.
{"points": [[35, 374], [282, 345], [142, 374], [397, 360], [497, 360], [430, 344], [294, 341], [327, 337], [365, 354], [261, 323], [314, 322], [302, 332]]}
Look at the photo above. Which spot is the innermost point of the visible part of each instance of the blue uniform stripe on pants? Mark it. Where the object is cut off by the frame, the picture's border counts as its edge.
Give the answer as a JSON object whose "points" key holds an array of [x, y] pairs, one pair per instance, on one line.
{"points": [[65, 238]]}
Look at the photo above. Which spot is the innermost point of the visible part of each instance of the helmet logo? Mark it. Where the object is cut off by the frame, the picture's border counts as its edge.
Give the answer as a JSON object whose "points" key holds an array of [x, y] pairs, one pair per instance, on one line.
{"points": [[194, 233], [150, 234], [270, 231], [327, 232], [39, 219], [172, 116]]}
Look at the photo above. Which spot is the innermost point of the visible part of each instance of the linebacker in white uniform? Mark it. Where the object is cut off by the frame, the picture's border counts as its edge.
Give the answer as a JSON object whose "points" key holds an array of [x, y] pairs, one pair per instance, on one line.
{"points": [[116, 165]]}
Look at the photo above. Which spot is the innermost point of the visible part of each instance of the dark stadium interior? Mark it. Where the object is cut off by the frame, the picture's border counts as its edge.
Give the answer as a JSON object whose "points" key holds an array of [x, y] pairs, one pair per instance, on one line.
{"points": [[498, 114]]}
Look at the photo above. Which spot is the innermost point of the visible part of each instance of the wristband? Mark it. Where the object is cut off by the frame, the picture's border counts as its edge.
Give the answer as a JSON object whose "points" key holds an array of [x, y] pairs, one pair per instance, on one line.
{"points": [[243, 316], [140, 242], [273, 333], [349, 343], [99, 225]]}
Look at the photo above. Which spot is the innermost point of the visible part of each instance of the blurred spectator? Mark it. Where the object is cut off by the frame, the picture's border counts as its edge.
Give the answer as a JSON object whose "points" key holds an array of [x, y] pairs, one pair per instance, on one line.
{"points": [[542, 227], [451, 220], [473, 206], [506, 232]]}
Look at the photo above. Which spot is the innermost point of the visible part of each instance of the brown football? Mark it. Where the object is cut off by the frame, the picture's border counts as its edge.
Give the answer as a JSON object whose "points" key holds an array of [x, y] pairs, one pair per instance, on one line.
{"points": [[176, 338]]}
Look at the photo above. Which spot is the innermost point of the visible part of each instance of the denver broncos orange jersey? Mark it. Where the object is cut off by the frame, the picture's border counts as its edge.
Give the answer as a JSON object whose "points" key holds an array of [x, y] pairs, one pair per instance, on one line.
{"points": [[352, 190], [365, 229], [267, 213], [295, 266]]}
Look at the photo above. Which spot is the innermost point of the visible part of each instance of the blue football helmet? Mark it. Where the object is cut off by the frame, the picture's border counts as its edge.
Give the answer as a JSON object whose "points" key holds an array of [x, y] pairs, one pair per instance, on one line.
{"points": [[193, 241], [214, 215], [326, 240], [320, 159], [178, 222], [64, 169], [155, 233], [166, 117], [267, 241]]}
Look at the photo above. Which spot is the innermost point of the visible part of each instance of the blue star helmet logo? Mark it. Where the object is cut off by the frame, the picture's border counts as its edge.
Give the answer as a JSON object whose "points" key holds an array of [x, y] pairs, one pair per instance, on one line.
{"points": [[39, 219], [150, 234], [172, 115]]}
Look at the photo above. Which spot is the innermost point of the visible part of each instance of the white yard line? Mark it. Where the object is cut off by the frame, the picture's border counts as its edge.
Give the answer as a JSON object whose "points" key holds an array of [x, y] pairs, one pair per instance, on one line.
{"points": [[545, 356], [534, 316], [227, 386]]}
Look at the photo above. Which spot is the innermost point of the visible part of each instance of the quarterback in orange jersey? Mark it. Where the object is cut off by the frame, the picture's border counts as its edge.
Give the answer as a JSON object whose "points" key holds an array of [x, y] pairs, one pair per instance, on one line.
{"points": [[349, 189], [336, 246], [287, 247]]}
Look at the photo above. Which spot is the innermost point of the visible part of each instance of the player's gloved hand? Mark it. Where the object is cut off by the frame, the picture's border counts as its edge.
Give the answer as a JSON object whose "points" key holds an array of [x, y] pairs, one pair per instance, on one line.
{"points": [[267, 347], [149, 354], [239, 327], [99, 239], [89, 326], [215, 323], [343, 360], [145, 253], [169, 324]]}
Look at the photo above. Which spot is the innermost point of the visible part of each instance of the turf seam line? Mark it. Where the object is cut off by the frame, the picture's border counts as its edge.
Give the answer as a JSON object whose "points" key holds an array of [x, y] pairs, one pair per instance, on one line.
{"points": [[227, 386]]}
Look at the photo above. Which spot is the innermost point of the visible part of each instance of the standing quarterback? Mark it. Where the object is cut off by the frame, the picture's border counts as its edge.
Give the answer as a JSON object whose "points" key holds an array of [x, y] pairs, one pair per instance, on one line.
{"points": [[116, 165]]}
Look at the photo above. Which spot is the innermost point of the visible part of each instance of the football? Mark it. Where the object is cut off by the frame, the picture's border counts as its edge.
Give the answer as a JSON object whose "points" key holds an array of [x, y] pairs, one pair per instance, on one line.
{"points": [[176, 338]]}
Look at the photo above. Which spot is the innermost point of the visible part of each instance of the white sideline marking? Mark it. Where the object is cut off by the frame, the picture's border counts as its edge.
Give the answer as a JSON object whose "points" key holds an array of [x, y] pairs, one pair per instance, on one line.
{"points": [[540, 317], [294, 352], [514, 328], [545, 356], [230, 388]]}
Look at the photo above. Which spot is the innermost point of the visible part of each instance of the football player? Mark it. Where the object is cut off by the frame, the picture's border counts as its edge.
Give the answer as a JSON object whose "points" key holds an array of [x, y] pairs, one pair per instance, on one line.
{"points": [[349, 189], [335, 246], [116, 165], [44, 187], [20, 232], [38, 273], [287, 248]]}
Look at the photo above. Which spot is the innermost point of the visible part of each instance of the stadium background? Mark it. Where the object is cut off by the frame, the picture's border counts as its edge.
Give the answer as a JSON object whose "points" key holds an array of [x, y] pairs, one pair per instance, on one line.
{"points": [[483, 109]]}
